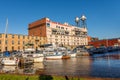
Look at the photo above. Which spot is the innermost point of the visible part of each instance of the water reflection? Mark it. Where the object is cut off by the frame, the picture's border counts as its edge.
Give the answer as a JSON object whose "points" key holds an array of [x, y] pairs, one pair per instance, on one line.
{"points": [[24, 69], [106, 65], [73, 66], [8, 69], [99, 65]]}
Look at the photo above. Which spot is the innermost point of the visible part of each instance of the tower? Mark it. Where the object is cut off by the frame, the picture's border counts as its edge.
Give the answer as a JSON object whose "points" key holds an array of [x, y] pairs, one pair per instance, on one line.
{"points": [[83, 21], [77, 20]]}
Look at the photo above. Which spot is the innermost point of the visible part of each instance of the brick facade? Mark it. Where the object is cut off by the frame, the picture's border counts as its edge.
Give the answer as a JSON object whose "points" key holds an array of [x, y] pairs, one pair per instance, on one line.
{"points": [[106, 42], [37, 28]]}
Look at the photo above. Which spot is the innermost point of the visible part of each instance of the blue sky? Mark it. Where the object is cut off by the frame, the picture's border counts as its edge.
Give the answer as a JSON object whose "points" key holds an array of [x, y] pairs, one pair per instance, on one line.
{"points": [[103, 16]]}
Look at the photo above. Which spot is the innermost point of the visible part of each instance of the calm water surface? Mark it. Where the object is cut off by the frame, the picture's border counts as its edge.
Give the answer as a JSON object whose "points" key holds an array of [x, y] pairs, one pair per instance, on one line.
{"points": [[99, 65]]}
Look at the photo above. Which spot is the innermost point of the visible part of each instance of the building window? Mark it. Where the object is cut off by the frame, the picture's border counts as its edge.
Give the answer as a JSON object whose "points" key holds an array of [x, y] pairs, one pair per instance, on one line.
{"points": [[18, 42], [23, 37], [6, 42], [18, 47], [6, 36], [28, 37], [23, 48], [18, 36], [23, 42], [12, 48], [0, 41], [12, 36], [36, 37], [50, 35], [40, 43], [56, 36], [12, 42], [6, 48], [48, 24], [62, 27], [57, 26], [32, 37], [0, 35]]}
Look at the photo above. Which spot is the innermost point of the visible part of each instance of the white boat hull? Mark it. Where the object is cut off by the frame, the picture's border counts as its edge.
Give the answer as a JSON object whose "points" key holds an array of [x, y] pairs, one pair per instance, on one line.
{"points": [[9, 68], [38, 59], [9, 62], [35, 56], [53, 57], [73, 55]]}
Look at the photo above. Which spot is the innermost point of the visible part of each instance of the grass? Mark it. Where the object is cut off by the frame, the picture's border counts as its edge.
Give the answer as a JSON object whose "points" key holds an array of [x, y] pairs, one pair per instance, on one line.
{"points": [[17, 77], [47, 77], [35, 77]]}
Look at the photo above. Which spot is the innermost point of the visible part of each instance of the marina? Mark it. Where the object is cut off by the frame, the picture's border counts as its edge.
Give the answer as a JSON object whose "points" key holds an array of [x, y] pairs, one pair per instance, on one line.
{"points": [[60, 40], [98, 65]]}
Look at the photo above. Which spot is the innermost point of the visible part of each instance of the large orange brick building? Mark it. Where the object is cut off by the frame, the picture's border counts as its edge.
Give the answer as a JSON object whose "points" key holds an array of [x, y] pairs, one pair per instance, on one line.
{"points": [[57, 33]]}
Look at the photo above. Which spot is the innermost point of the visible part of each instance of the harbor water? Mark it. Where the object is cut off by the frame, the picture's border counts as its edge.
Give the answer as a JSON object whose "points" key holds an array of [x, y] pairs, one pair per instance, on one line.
{"points": [[105, 65]]}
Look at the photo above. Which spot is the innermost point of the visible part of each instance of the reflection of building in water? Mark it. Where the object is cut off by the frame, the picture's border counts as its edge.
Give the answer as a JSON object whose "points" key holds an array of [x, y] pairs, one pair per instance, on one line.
{"points": [[84, 65], [73, 67], [26, 69]]}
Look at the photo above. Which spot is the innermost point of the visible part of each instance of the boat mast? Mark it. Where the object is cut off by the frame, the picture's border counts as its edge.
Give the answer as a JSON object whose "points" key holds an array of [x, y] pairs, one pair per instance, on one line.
{"points": [[4, 40]]}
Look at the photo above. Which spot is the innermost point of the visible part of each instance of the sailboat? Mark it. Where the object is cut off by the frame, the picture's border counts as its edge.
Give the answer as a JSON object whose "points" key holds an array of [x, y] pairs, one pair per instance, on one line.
{"points": [[8, 60]]}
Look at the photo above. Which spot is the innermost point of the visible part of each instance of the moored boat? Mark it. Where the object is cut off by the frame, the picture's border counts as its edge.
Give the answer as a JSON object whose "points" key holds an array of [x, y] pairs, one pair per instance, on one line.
{"points": [[37, 56], [56, 53], [53, 57], [9, 61], [66, 56], [73, 54]]}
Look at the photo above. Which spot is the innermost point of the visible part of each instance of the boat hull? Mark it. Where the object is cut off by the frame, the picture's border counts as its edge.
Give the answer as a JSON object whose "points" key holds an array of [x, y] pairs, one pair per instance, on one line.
{"points": [[9, 62], [73, 55], [53, 57], [65, 56], [38, 59]]}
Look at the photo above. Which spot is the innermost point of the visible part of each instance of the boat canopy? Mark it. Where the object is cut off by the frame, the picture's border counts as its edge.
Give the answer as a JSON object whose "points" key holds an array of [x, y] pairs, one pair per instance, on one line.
{"points": [[7, 53], [46, 45]]}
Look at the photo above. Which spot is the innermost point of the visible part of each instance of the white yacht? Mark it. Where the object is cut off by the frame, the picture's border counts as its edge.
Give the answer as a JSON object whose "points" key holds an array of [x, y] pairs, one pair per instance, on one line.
{"points": [[37, 56], [55, 53]]}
